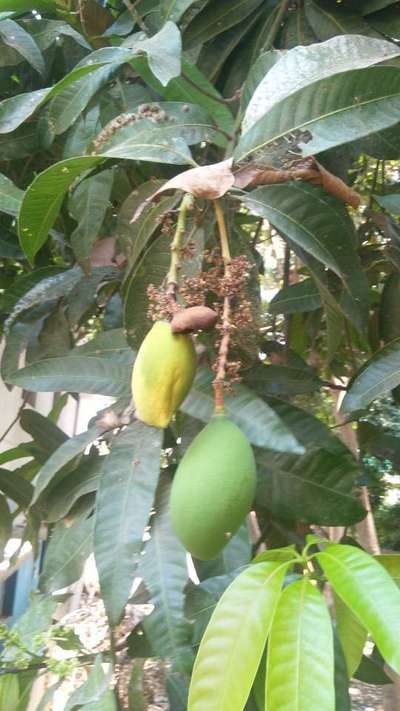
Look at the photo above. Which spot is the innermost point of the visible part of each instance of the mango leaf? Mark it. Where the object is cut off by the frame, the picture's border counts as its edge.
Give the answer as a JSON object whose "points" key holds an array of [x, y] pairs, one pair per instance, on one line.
{"points": [[217, 16], [317, 61], [369, 591], [342, 695], [174, 9], [60, 497], [92, 690], [12, 34], [88, 205], [23, 284], [327, 20], [69, 103], [107, 344], [74, 374], [371, 670], [35, 621], [315, 488], [377, 377], [128, 483], [21, 6], [45, 433], [328, 113], [303, 296], [352, 635], [301, 630], [16, 488], [283, 380], [47, 32], [390, 202], [66, 554], [163, 52], [232, 646], [371, 6], [10, 196], [6, 523], [312, 219], [255, 418], [164, 572], [70, 449], [151, 269], [391, 563]]}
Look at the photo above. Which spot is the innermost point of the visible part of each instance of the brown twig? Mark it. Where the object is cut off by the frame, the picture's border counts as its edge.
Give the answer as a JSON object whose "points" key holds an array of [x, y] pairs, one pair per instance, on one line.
{"points": [[223, 350]]}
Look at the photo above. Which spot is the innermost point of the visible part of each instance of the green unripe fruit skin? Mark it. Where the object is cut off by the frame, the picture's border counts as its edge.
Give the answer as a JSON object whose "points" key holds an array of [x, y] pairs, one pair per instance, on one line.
{"points": [[213, 488], [162, 374], [9, 692]]}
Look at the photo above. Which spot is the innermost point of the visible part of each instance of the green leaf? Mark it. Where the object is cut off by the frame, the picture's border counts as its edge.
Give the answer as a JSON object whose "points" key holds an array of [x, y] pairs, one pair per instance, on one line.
{"points": [[231, 649], [391, 563], [164, 572], [65, 491], [51, 287], [300, 660], [313, 220], [391, 202], [107, 344], [342, 696], [43, 200], [10, 196], [47, 32], [163, 52], [302, 66], [257, 72], [66, 554], [280, 380], [303, 296], [35, 621], [86, 374], [17, 488], [23, 284], [216, 17], [71, 448], [371, 671], [88, 205], [125, 498], [46, 435], [369, 591], [174, 9], [21, 6], [92, 690], [327, 20], [316, 488], [371, 6], [254, 417], [378, 376], [389, 327], [69, 103], [16, 37], [6, 523], [324, 114], [352, 635], [151, 269]]}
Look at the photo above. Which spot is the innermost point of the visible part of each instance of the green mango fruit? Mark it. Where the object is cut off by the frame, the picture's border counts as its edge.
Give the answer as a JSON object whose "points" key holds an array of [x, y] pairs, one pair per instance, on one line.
{"points": [[163, 374], [9, 692], [213, 488]]}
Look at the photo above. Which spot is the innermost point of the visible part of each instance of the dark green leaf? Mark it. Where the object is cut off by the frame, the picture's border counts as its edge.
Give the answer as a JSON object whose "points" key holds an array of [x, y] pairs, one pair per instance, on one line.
{"points": [[91, 691], [217, 16], [352, 635], [282, 380], [377, 377], [125, 498], [6, 522], [303, 296], [75, 374], [328, 21], [17, 488], [164, 572], [88, 205], [11, 33], [257, 420], [370, 672], [66, 554]]}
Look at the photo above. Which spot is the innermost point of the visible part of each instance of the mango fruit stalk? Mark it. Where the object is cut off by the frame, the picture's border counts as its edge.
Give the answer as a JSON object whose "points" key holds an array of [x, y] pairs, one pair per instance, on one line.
{"points": [[163, 374], [213, 488]]}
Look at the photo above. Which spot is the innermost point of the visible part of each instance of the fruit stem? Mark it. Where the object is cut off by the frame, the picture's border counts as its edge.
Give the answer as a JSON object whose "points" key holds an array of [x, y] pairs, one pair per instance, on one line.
{"points": [[223, 350], [176, 245]]}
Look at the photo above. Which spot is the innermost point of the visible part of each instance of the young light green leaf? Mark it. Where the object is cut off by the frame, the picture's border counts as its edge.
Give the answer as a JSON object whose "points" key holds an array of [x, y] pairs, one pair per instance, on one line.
{"points": [[231, 649], [165, 574], [377, 377], [352, 635], [300, 658], [125, 498], [66, 554], [370, 593], [391, 563], [10, 196], [16, 37]]}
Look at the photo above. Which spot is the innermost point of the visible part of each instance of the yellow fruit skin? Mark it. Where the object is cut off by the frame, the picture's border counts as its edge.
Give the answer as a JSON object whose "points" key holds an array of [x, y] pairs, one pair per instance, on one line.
{"points": [[162, 374], [213, 488]]}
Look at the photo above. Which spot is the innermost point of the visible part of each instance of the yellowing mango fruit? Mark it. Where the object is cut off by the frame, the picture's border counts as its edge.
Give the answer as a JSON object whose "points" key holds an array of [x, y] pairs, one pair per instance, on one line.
{"points": [[213, 488], [162, 374]]}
